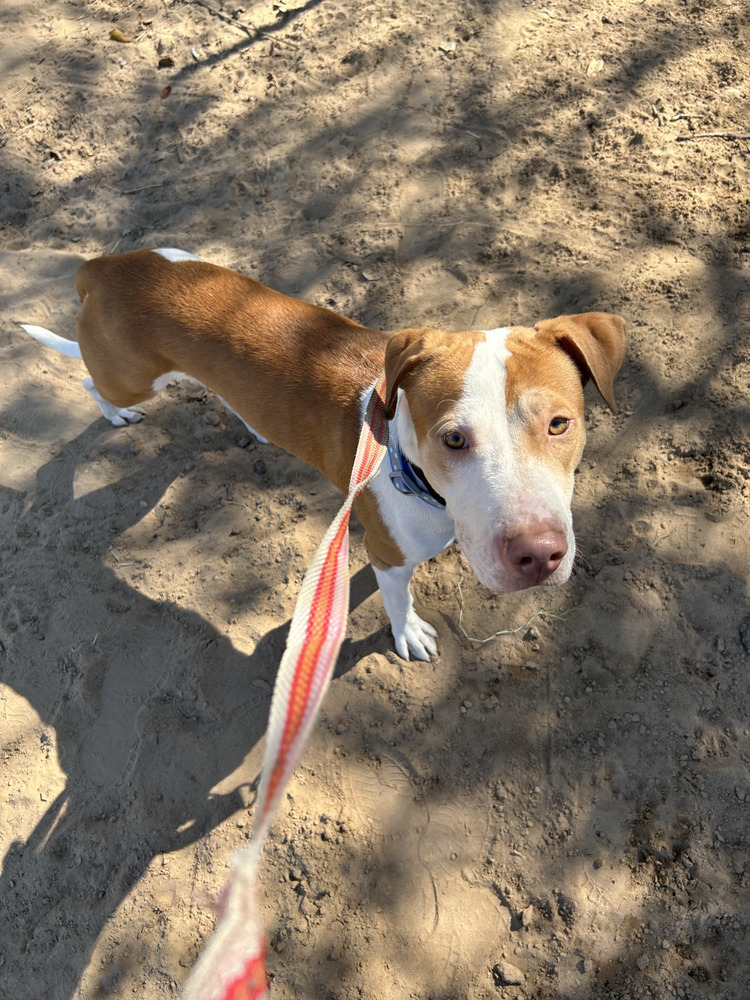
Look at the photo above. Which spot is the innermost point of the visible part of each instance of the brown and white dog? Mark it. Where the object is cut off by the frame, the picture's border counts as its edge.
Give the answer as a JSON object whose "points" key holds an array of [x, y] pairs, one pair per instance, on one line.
{"points": [[486, 428]]}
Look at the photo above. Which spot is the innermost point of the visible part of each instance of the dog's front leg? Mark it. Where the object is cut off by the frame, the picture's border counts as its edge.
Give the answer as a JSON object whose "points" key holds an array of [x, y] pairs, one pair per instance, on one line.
{"points": [[411, 634]]}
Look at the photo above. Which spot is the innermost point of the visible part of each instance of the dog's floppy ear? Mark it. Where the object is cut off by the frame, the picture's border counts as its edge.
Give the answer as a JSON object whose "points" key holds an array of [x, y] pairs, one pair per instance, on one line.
{"points": [[403, 353], [596, 342]]}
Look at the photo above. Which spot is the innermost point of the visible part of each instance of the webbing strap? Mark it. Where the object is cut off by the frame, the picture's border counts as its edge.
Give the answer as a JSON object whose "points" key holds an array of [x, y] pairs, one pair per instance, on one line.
{"points": [[232, 966]]}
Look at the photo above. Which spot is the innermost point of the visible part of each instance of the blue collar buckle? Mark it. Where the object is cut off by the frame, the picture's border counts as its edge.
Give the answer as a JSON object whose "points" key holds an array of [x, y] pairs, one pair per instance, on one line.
{"points": [[409, 479]]}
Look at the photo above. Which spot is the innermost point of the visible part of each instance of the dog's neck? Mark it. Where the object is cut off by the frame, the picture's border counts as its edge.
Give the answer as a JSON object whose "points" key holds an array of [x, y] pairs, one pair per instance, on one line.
{"points": [[403, 455]]}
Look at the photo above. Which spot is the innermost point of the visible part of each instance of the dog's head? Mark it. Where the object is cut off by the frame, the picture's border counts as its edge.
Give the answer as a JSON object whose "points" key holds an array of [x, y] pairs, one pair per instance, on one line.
{"points": [[495, 421]]}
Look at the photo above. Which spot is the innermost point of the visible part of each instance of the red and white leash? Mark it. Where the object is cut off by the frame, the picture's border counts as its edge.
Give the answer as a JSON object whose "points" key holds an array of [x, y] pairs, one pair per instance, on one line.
{"points": [[232, 966]]}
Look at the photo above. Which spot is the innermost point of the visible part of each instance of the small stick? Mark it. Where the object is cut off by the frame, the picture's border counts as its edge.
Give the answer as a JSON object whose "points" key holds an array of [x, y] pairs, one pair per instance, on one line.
{"points": [[541, 613], [146, 187], [250, 30], [713, 135]]}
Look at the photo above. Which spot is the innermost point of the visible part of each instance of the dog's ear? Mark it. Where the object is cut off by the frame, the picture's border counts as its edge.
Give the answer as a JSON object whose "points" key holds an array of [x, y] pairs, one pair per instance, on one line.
{"points": [[403, 353], [596, 342]]}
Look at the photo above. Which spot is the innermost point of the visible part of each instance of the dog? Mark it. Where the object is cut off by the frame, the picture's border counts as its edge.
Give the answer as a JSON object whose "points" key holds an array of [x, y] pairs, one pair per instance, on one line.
{"points": [[485, 427]]}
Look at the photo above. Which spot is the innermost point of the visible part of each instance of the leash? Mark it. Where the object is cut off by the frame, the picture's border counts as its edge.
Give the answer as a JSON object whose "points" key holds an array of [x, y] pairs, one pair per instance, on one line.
{"points": [[233, 966]]}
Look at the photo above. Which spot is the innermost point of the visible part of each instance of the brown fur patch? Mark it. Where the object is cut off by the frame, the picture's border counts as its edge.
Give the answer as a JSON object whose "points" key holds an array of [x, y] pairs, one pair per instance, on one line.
{"points": [[533, 366], [439, 364], [543, 383], [381, 548], [437, 361]]}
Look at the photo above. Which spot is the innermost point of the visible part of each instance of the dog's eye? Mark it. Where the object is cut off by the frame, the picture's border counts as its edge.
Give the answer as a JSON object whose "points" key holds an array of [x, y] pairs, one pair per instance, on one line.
{"points": [[558, 425], [454, 439]]}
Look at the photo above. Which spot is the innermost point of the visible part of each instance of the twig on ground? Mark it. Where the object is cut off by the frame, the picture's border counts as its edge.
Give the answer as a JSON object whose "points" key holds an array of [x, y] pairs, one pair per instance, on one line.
{"points": [[146, 187], [249, 28], [541, 613], [712, 135]]}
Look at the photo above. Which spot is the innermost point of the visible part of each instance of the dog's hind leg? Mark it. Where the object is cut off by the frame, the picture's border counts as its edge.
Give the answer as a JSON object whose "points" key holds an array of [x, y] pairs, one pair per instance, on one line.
{"points": [[118, 416], [242, 420]]}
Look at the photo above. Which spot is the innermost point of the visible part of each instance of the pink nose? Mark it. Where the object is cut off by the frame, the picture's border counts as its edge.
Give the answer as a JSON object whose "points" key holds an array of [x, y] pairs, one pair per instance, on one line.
{"points": [[534, 557]]}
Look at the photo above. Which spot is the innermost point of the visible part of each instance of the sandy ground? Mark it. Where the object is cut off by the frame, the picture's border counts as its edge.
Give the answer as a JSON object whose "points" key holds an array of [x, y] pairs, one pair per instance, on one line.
{"points": [[566, 806]]}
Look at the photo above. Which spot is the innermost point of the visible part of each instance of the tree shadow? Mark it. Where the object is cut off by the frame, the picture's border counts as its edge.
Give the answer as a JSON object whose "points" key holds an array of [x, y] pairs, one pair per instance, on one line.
{"points": [[151, 710]]}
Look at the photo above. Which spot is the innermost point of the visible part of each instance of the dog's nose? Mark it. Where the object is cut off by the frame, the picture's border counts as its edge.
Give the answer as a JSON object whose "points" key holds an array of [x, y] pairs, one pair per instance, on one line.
{"points": [[534, 556]]}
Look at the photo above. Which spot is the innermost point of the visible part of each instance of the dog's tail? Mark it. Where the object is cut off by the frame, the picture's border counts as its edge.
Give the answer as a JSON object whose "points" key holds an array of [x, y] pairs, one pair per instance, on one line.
{"points": [[69, 348]]}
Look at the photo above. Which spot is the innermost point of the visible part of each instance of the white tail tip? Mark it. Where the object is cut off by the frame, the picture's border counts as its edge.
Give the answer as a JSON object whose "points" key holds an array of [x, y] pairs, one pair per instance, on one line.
{"points": [[69, 348]]}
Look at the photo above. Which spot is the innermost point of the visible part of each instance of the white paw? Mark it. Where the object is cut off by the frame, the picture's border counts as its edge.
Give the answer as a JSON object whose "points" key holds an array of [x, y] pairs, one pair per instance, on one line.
{"points": [[118, 416], [121, 416], [416, 637]]}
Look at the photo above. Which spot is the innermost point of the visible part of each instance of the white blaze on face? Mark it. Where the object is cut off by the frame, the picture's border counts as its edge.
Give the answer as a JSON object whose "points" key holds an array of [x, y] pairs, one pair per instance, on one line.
{"points": [[501, 490]]}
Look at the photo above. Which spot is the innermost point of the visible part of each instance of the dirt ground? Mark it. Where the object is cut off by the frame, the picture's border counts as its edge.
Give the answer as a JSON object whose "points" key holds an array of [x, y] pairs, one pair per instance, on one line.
{"points": [[560, 813]]}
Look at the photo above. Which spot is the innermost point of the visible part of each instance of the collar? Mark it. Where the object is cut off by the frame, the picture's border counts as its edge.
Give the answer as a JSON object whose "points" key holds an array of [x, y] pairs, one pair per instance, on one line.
{"points": [[408, 478]]}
